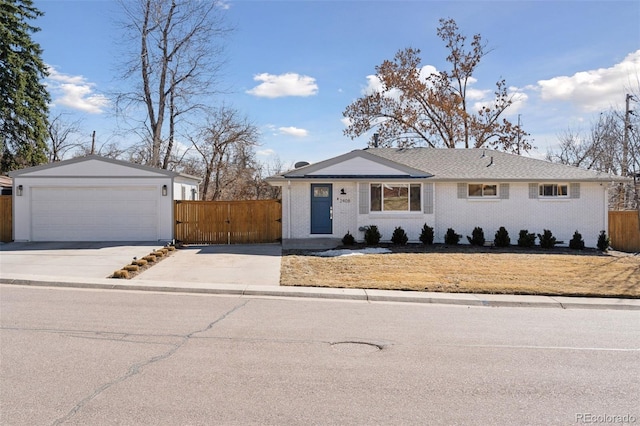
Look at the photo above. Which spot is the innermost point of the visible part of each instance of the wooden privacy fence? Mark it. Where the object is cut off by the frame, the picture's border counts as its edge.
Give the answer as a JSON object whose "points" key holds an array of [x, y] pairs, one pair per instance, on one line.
{"points": [[624, 230], [228, 222], [6, 218]]}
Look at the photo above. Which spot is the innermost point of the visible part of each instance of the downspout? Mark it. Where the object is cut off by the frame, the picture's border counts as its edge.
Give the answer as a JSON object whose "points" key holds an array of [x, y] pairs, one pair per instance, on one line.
{"points": [[606, 209], [173, 212], [288, 209]]}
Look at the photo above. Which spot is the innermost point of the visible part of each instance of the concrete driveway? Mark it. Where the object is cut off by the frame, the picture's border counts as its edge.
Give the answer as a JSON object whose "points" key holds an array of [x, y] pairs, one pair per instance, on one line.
{"points": [[69, 259], [246, 264], [220, 264]]}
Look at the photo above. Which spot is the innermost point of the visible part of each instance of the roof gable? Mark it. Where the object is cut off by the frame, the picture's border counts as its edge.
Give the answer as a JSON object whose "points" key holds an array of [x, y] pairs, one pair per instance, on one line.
{"points": [[356, 164], [95, 166]]}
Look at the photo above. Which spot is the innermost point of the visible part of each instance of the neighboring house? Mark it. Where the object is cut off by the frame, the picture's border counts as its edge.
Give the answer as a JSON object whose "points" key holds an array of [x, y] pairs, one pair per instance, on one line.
{"points": [[94, 198], [6, 185], [444, 188]]}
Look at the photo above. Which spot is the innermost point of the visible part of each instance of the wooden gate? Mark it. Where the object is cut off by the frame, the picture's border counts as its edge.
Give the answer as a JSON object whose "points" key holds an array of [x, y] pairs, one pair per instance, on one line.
{"points": [[624, 230], [228, 222], [6, 218]]}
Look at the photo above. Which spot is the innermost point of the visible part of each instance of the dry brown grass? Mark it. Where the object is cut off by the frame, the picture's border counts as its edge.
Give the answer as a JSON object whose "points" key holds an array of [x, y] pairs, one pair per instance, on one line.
{"points": [[137, 266], [473, 271], [122, 274]]}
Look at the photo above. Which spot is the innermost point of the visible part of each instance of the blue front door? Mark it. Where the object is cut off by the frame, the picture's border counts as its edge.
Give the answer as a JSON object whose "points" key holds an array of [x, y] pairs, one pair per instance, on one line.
{"points": [[321, 208]]}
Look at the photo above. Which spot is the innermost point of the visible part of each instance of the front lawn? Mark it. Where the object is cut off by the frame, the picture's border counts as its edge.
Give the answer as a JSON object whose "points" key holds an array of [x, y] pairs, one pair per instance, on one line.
{"points": [[466, 269]]}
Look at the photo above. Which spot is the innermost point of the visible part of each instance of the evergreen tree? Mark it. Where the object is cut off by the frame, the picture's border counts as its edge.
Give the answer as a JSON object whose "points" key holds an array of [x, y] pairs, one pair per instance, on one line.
{"points": [[23, 96]]}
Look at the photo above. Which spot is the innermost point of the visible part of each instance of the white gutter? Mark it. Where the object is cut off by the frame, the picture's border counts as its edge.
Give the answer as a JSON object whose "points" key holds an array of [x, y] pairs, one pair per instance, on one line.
{"points": [[605, 225], [288, 209]]}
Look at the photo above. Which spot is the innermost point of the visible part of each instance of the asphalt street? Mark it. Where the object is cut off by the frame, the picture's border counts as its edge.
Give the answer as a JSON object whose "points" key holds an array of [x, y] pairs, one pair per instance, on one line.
{"points": [[86, 356]]}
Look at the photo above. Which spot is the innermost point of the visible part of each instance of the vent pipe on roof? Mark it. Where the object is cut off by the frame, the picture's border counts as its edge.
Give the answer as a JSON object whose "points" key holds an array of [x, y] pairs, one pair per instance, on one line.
{"points": [[375, 139], [491, 162]]}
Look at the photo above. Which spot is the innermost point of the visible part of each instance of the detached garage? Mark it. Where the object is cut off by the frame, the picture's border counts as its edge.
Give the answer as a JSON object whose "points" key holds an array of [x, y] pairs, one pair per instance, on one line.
{"points": [[97, 199]]}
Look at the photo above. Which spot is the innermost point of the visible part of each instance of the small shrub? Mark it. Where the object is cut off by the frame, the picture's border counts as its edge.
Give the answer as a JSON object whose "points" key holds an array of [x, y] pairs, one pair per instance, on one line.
{"points": [[576, 243], [139, 262], [547, 240], [477, 237], [451, 237], [501, 238], [170, 248], [348, 239], [603, 241], [399, 237], [150, 258], [525, 239], [122, 274], [131, 268], [426, 235], [371, 235], [164, 250], [157, 253]]}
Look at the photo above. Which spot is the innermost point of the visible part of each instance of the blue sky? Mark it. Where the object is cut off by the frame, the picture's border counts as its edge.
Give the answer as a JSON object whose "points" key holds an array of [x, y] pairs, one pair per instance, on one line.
{"points": [[294, 66]]}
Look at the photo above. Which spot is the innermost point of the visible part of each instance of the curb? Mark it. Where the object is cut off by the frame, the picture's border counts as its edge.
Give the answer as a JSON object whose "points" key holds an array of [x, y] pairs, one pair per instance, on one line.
{"points": [[460, 299]]}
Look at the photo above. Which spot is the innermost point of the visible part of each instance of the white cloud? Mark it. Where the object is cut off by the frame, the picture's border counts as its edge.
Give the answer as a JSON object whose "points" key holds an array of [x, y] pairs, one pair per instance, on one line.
{"points": [[266, 152], [75, 92], [477, 94], [373, 85], [518, 100], [294, 131], [427, 70], [289, 84], [593, 90]]}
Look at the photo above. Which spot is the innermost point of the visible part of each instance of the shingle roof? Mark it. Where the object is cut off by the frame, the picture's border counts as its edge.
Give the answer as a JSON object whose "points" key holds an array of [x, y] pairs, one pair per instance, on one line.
{"points": [[485, 164]]}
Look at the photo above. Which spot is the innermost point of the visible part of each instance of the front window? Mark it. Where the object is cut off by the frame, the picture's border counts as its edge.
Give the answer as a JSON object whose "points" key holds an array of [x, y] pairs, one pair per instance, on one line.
{"points": [[395, 197], [483, 190], [553, 190]]}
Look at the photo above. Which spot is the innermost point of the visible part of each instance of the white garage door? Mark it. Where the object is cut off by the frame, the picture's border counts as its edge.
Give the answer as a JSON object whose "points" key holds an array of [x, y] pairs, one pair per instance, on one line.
{"points": [[94, 214]]}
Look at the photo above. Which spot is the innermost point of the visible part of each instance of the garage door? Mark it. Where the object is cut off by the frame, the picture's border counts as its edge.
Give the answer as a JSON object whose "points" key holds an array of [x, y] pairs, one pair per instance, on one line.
{"points": [[94, 214]]}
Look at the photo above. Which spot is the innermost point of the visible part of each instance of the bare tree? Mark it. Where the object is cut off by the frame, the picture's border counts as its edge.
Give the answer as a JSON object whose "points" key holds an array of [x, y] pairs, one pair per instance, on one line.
{"points": [[107, 149], [226, 148], [412, 108], [179, 55], [601, 149], [63, 137], [597, 150], [264, 191]]}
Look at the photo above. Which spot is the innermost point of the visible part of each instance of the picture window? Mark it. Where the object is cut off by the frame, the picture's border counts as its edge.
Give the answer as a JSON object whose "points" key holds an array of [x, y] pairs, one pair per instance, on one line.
{"points": [[553, 190], [395, 197], [483, 190]]}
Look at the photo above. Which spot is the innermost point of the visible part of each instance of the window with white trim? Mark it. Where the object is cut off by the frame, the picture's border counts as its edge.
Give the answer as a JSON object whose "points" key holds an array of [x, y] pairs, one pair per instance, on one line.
{"points": [[395, 197], [553, 190], [482, 190]]}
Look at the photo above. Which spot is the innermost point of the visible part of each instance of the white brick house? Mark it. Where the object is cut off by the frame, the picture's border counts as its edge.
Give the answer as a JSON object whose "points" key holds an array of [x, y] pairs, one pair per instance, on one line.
{"points": [[444, 188]]}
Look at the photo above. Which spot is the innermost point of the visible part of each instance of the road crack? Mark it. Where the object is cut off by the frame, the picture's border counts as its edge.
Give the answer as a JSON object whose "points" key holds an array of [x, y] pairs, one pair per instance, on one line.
{"points": [[136, 368]]}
